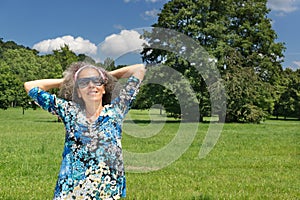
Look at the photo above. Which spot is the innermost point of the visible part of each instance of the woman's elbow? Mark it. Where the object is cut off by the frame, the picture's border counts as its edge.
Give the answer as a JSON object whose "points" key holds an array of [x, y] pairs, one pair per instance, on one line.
{"points": [[140, 71], [27, 86]]}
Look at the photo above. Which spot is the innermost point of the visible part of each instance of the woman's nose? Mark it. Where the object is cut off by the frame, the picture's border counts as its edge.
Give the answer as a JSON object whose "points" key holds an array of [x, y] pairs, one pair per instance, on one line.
{"points": [[91, 84]]}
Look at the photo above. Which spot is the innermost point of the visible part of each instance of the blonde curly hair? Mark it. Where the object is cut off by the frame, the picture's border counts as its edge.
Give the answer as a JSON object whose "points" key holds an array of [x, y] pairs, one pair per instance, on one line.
{"points": [[68, 90]]}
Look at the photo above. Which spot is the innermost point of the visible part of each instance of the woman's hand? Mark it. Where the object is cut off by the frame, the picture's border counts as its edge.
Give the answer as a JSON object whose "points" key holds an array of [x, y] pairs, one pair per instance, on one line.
{"points": [[44, 84]]}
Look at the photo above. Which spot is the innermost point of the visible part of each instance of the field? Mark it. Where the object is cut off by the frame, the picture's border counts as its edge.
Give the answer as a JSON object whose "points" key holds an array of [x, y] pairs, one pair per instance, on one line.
{"points": [[249, 161]]}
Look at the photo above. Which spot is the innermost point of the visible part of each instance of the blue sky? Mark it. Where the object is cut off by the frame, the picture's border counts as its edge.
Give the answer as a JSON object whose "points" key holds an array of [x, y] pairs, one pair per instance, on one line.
{"points": [[93, 26]]}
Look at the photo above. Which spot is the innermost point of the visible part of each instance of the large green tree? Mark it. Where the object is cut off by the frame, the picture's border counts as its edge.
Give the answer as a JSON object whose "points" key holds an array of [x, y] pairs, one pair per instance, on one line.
{"points": [[239, 35]]}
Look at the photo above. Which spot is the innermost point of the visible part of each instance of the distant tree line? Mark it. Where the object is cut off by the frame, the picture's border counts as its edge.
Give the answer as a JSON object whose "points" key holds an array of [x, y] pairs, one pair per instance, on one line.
{"points": [[248, 94]]}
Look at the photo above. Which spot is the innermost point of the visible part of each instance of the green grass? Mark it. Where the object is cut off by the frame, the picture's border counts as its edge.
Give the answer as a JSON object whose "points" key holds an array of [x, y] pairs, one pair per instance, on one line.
{"points": [[249, 161]]}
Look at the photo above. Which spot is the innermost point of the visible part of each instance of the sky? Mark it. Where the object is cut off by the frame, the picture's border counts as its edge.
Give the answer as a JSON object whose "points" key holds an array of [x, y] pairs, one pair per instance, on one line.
{"points": [[103, 29]]}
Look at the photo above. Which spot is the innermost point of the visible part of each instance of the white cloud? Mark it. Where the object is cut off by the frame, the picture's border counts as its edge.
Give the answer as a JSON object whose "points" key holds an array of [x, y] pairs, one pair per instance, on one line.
{"points": [[151, 13], [77, 45], [297, 63], [116, 45], [285, 6]]}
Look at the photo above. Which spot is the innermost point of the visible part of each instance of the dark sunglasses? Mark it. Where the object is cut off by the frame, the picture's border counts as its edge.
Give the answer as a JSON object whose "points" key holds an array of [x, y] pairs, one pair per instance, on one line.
{"points": [[84, 82]]}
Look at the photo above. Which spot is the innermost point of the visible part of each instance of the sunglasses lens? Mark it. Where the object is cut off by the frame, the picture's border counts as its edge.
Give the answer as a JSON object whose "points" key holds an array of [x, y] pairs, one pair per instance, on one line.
{"points": [[98, 81], [84, 82]]}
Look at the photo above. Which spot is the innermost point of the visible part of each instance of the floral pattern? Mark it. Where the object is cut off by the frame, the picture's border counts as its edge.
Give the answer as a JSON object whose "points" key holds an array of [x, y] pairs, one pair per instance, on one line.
{"points": [[92, 163]]}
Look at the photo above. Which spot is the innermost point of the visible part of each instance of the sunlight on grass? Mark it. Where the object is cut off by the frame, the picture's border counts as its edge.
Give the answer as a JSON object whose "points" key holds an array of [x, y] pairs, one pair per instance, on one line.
{"points": [[249, 161]]}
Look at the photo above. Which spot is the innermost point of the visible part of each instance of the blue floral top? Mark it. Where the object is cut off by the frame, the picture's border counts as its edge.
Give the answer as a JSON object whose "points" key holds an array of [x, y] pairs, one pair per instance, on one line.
{"points": [[92, 164]]}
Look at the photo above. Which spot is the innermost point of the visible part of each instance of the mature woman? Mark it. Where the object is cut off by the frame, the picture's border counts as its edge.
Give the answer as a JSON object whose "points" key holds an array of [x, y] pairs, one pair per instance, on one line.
{"points": [[92, 164]]}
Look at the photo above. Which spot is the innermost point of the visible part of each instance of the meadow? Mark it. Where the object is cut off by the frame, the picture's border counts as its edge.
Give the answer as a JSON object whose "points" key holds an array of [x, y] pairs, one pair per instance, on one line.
{"points": [[249, 161]]}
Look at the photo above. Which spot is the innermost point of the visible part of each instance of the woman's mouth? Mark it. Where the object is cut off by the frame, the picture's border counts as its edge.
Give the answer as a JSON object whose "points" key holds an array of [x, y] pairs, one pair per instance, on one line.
{"points": [[92, 92]]}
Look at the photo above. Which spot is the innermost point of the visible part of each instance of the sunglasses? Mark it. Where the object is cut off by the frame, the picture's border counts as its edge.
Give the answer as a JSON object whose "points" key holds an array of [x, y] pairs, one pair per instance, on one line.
{"points": [[84, 82]]}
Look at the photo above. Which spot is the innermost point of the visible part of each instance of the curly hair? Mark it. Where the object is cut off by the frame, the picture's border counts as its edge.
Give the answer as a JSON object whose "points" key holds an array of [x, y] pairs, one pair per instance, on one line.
{"points": [[68, 90]]}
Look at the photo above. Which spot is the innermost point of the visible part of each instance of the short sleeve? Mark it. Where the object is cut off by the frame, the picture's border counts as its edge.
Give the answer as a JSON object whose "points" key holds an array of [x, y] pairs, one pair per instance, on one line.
{"points": [[127, 95], [48, 101]]}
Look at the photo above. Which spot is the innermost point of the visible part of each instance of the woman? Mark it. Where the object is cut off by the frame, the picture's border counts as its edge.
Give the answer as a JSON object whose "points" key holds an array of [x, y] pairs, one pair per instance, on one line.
{"points": [[92, 164]]}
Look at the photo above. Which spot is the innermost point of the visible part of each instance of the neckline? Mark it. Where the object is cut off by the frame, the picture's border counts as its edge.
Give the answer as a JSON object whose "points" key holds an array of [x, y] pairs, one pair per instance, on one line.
{"points": [[89, 121]]}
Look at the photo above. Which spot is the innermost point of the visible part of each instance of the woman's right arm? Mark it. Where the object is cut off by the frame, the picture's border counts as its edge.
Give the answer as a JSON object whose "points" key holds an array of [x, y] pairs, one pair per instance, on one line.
{"points": [[137, 70], [44, 84]]}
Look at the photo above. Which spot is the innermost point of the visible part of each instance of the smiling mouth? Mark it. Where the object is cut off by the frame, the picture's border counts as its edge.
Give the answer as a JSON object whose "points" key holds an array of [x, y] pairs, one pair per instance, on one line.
{"points": [[92, 92]]}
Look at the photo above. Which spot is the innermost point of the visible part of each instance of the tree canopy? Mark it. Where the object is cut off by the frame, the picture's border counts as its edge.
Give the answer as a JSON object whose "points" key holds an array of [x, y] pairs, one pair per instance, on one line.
{"points": [[239, 36]]}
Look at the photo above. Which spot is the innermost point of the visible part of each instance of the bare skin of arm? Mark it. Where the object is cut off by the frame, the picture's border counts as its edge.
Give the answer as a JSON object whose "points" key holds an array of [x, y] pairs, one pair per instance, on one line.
{"points": [[137, 70], [44, 84]]}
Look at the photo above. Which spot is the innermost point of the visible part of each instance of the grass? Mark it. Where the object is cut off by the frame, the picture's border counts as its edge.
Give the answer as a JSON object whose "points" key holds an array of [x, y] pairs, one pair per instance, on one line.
{"points": [[249, 161]]}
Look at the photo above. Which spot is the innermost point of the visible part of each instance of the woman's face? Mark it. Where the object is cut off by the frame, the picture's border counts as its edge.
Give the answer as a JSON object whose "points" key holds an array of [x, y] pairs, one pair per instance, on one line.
{"points": [[90, 86]]}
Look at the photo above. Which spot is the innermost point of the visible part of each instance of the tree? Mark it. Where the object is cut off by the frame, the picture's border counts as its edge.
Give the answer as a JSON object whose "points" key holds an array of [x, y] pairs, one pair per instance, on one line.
{"points": [[85, 58], [65, 56], [174, 95], [22, 62], [239, 35], [9, 86], [247, 101], [288, 103], [49, 67], [109, 64], [19, 65]]}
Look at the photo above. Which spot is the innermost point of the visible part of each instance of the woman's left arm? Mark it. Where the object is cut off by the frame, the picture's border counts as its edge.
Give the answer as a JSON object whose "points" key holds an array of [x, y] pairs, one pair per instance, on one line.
{"points": [[137, 70]]}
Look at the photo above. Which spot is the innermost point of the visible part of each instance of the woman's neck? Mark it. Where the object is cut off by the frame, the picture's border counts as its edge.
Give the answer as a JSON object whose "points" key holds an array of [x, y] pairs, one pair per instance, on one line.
{"points": [[93, 112]]}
